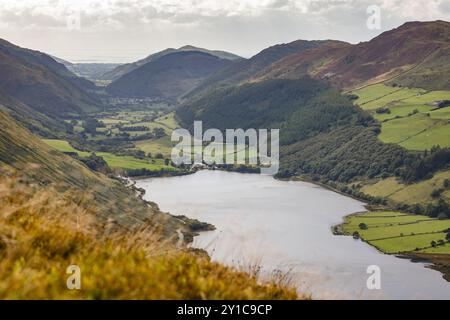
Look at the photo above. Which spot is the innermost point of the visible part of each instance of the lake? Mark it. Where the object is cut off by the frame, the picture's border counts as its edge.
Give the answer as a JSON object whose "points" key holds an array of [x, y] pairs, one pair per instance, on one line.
{"points": [[286, 225]]}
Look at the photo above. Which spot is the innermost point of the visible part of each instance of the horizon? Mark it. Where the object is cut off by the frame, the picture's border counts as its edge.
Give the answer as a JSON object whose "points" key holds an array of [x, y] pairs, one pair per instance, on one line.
{"points": [[95, 31], [127, 59]]}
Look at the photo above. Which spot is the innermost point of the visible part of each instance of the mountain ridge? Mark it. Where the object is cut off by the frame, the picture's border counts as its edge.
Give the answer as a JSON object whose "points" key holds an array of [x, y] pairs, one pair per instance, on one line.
{"points": [[168, 77], [240, 71], [398, 53], [40, 82], [121, 70]]}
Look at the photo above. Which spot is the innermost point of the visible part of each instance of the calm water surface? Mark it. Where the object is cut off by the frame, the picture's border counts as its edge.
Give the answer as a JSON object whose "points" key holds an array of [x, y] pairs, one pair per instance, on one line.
{"points": [[286, 225]]}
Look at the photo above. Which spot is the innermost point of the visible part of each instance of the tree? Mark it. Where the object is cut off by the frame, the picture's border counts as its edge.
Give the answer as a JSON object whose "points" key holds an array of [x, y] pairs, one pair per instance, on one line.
{"points": [[433, 244], [446, 183], [363, 226], [436, 193], [159, 132], [166, 162]]}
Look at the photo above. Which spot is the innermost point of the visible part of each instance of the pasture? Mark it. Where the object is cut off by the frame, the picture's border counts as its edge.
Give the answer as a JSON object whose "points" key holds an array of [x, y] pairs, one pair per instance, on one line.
{"points": [[395, 232]]}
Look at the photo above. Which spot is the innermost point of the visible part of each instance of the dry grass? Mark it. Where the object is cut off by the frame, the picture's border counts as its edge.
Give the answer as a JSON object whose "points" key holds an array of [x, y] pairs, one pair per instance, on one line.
{"points": [[43, 231]]}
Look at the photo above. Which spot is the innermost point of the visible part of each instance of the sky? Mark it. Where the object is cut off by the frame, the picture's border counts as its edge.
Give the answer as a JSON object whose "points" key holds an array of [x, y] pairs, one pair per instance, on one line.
{"points": [[124, 31]]}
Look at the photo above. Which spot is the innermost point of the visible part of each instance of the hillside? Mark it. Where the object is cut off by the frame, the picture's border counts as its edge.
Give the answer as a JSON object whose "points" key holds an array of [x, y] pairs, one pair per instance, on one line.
{"points": [[46, 86], [321, 132], [33, 120], [168, 77], [322, 135], [123, 69], [43, 233], [414, 54], [55, 212], [243, 70], [112, 201]]}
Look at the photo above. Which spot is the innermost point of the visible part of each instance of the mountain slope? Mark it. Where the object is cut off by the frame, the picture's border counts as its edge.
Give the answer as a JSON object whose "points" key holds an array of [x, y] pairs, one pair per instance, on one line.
{"points": [[54, 213], [43, 84], [44, 231], [121, 70], [416, 53], [45, 166], [242, 70], [33, 120], [168, 77], [321, 132]]}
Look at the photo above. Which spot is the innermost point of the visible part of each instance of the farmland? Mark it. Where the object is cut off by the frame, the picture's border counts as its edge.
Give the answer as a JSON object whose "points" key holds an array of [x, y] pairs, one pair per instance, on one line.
{"points": [[395, 232], [114, 161], [145, 138], [64, 146], [410, 117]]}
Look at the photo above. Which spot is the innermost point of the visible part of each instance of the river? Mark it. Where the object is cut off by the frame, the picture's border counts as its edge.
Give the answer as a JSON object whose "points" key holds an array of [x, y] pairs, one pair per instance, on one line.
{"points": [[286, 225]]}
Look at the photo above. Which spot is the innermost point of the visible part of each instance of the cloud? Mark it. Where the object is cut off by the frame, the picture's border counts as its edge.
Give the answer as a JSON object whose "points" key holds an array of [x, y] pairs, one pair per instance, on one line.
{"points": [[98, 13], [244, 26]]}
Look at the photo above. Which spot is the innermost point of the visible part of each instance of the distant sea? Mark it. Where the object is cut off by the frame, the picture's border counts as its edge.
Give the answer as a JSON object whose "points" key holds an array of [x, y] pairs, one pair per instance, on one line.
{"points": [[85, 57]]}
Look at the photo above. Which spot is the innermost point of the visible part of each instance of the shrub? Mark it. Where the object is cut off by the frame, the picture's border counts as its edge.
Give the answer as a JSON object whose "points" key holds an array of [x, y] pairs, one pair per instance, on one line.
{"points": [[363, 226]]}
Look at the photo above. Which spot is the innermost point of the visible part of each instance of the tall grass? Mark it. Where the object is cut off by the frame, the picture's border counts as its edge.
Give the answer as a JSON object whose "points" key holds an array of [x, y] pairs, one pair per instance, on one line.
{"points": [[43, 231]]}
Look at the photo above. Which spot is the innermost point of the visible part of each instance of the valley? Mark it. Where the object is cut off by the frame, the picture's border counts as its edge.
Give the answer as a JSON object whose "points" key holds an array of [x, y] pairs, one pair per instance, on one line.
{"points": [[370, 121], [286, 226]]}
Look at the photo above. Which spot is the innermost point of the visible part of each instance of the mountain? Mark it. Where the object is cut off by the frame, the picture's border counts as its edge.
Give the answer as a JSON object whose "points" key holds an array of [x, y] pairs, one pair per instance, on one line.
{"points": [[121, 70], [321, 132], [414, 54], [242, 70], [33, 120], [56, 212], [324, 134], [168, 77], [21, 150], [46, 86]]}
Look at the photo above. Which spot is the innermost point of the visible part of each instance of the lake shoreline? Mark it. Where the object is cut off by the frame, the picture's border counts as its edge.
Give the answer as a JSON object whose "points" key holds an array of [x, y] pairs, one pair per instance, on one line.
{"points": [[435, 264], [438, 262], [205, 186]]}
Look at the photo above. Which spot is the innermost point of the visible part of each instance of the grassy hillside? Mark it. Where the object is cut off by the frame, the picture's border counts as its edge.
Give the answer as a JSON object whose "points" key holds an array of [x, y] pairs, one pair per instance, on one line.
{"points": [[55, 212], [43, 84], [410, 117], [43, 231], [116, 203], [420, 192], [415, 54], [33, 120], [243, 70]]}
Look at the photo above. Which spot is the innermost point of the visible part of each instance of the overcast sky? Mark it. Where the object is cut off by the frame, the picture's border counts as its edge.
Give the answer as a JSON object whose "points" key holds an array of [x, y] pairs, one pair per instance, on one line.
{"points": [[123, 31]]}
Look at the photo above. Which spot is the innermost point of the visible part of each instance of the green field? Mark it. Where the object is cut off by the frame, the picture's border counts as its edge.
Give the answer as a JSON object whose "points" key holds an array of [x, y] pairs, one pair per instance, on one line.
{"points": [[114, 161], [398, 192], [412, 120], [127, 162], [379, 95], [64, 146], [154, 146], [395, 232]]}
